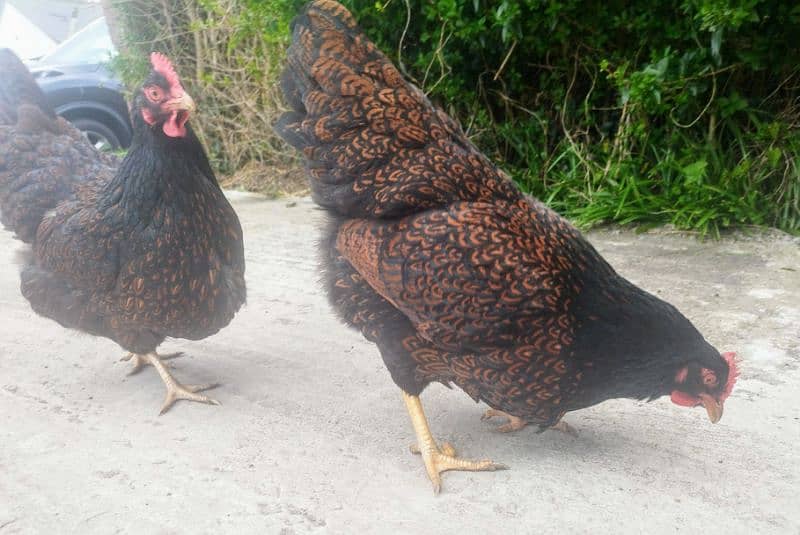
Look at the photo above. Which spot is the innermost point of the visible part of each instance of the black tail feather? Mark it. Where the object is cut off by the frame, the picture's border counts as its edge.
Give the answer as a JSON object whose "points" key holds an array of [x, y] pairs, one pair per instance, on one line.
{"points": [[17, 87]]}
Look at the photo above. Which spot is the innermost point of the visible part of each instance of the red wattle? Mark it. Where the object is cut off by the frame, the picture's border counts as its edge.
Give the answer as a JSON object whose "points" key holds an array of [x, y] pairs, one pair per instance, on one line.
{"points": [[684, 400], [175, 126]]}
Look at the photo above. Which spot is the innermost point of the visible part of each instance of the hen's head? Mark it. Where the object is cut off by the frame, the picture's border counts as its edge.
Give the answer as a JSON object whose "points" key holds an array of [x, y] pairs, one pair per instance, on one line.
{"points": [[707, 381], [162, 101]]}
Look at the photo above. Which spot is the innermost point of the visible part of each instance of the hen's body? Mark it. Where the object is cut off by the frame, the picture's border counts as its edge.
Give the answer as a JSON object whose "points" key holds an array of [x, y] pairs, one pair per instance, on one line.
{"points": [[154, 251], [451, 270], [137, 253], [438, 258]]}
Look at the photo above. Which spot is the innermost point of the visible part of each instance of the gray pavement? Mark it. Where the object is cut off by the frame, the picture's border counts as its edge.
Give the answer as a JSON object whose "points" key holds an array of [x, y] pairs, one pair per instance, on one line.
{"points": [[312, 435]]}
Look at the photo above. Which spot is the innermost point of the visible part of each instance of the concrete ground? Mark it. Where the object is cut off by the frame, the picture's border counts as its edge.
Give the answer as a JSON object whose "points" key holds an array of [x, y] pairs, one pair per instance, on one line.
{"points": [[312, 436]]}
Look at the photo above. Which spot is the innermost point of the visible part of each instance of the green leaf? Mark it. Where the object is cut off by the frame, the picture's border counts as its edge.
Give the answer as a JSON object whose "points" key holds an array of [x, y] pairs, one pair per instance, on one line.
{"points": [[716, 44], [695, 172], [774, 156]]}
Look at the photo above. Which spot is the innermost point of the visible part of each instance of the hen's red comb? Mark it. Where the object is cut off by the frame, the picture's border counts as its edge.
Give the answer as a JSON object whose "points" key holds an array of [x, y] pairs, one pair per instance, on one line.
{"points": [[733, 373], [162, 64]]}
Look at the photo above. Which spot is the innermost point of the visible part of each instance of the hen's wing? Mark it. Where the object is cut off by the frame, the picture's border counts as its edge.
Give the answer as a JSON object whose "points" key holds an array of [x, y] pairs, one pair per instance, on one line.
{"points": [[76, 263], [475, 276], [491, 287], [374, 145]]}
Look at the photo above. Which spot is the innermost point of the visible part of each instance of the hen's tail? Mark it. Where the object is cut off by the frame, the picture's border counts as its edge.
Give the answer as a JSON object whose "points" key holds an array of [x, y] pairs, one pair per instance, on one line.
{"points": [[42, 157], [17, 87], [374, 145]]}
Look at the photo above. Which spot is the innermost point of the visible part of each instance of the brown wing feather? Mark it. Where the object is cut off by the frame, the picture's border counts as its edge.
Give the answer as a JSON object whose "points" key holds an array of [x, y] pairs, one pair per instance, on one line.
{"points": [[43, 161], [475, 275]]}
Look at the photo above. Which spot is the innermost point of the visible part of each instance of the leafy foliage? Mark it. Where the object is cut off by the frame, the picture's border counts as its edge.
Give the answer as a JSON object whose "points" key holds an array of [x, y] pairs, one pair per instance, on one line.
{"points": [[229, 54], [646, 112]]}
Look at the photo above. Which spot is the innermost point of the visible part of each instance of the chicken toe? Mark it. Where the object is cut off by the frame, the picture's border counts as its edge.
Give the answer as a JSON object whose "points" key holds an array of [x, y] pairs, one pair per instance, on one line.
{"points": [[514, 422], [175, 390], [564, 427]]}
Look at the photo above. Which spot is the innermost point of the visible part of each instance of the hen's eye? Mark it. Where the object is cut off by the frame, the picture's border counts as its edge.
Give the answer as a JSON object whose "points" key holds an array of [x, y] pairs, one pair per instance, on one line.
{"points": [[709, 378], [154, 94]]}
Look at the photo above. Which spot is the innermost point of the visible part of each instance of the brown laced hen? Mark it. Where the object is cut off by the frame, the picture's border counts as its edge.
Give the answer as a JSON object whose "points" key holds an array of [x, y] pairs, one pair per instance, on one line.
{"points": [[458, 277], [137, 251]]}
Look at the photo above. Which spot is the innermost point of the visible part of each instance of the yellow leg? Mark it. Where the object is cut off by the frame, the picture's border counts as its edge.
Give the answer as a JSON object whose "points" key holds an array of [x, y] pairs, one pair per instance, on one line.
{"points": [[175, 390], [140, 363], [439, 460]]}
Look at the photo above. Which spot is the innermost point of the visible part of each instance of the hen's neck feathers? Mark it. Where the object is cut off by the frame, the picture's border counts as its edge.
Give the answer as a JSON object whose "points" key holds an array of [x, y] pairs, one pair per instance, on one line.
{"points": [[633, 342], [160, 169]]}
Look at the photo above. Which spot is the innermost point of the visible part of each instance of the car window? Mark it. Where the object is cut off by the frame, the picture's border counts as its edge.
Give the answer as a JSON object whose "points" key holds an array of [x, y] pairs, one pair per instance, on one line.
{"points": [[90, 45]]}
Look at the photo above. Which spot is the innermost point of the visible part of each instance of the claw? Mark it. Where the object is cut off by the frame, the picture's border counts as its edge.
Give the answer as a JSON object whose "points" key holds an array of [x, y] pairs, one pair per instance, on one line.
{"points": [[177, 391], [440, 459], [564, 427]]}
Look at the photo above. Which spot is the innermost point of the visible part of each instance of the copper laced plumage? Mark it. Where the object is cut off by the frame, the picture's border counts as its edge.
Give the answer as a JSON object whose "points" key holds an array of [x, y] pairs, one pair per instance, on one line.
{"points": [[438, 258], [444, 263]]}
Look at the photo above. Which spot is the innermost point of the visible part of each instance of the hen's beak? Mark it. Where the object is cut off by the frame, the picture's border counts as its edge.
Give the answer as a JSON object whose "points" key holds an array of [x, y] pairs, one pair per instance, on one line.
{"points": [[713, 407], [182, 103]]}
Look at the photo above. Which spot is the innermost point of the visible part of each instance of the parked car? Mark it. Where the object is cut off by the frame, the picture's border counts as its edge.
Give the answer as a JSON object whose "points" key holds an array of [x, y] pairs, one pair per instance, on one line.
{"points": [[81, 88]]}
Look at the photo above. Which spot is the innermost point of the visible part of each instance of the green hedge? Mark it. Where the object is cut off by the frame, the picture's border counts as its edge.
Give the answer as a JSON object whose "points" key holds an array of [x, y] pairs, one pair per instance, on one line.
{"points": [[628, 111], [229, 54], [644, 112]]}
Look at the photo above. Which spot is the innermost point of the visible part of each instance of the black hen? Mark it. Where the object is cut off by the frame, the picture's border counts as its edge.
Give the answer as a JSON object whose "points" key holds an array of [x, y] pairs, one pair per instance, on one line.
{"points": [[144, 252]]}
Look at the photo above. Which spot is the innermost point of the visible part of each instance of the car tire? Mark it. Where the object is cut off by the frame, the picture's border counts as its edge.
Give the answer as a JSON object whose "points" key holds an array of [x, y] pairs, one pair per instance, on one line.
{"points": [[101, 136]]}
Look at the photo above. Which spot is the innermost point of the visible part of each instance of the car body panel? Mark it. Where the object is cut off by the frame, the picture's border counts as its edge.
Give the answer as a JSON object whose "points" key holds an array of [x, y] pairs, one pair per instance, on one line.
{"points": [[79, 85]]}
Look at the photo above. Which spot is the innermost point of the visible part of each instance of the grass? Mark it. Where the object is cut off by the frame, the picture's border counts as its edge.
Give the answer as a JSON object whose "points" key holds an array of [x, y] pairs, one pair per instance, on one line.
{"points": [[699, 187]]}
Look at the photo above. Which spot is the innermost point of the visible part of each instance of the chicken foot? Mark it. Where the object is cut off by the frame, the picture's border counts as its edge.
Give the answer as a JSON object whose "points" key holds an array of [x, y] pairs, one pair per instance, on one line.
{"points": [[516, 423], [175, 390], [564, 427], [437, 458]]}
